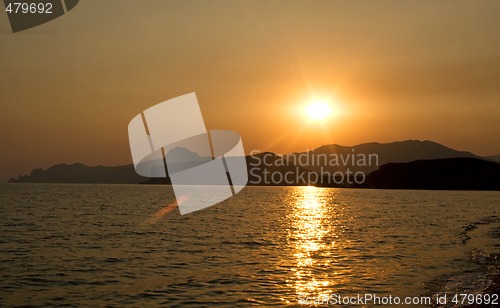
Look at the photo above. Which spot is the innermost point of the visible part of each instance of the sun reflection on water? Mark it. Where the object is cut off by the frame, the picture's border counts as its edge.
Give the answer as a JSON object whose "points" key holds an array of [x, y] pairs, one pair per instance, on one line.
{"points": [[312, 236]]}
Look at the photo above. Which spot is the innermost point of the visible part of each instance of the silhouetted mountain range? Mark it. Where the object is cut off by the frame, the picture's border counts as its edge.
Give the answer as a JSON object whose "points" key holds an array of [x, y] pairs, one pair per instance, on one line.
{"points": [[79, 173], [343, 164], [182, 159], [394, 152]]}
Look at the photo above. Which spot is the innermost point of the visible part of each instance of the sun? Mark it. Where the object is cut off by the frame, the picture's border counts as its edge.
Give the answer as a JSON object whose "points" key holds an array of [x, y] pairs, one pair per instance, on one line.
{"points": [[318, 110]]}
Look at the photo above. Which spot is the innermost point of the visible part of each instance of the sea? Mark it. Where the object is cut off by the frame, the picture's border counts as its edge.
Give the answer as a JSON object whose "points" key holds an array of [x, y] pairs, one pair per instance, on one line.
{"points": [[98, 245]]}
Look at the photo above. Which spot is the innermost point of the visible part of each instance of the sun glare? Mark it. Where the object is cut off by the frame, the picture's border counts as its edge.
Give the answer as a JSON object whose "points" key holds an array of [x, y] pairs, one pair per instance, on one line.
{"points": [[318, 110]]}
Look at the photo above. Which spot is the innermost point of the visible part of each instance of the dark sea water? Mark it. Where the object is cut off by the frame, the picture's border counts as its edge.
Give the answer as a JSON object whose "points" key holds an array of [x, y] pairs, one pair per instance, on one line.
{"points": [[112, 245]]}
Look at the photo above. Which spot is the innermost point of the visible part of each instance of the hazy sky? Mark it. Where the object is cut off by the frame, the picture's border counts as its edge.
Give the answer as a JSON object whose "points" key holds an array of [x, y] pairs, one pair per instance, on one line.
{"points": [[393, 70]]}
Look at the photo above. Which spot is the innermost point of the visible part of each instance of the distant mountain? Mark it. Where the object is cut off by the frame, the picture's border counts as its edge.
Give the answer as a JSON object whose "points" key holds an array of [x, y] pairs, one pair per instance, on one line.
{"points": [[316, 167], [183, 155], [446, 174], [495, 158], [79, 173], [182, 159], [374, 154]]}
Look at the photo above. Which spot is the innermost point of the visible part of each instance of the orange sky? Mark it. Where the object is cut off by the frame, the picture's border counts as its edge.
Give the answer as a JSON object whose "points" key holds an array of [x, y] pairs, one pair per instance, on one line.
{"points": [[396, 69]]}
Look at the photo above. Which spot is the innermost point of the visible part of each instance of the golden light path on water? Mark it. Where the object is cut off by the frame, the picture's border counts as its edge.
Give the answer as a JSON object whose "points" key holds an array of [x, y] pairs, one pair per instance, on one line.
{"points": [[314, 239]]}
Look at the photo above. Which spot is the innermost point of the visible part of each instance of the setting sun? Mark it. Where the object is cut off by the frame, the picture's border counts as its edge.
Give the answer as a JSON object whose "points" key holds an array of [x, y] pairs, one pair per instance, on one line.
{"points": [[318, 110]]}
